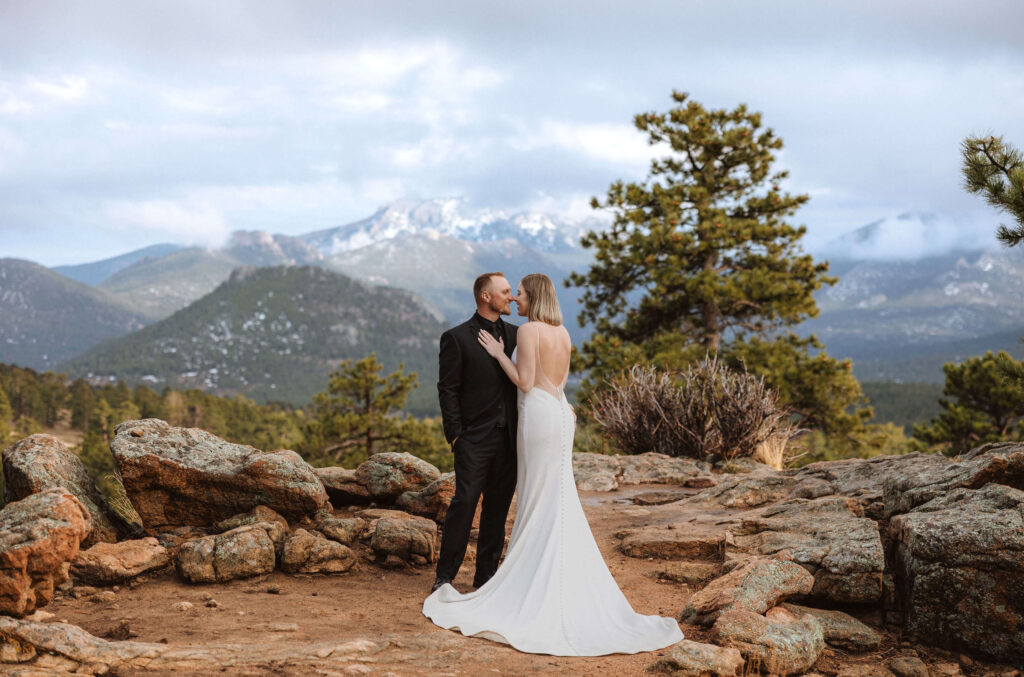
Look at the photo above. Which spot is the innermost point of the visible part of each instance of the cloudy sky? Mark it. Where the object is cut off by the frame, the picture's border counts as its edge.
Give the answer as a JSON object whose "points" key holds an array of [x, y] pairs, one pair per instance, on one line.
{"points": [[130, 123]]}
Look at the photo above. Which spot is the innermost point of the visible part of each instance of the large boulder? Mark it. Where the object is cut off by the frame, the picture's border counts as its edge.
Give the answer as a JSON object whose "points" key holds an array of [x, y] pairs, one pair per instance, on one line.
{"points": [[247, 551], [344, 530], [40, 462], [959, 565], [432, 501], [1002, 463], [342, 486], [756, 585], [106, 563], [694, 659], [310, 553], [409, 538], [388, 475], [778, 646], [829, 536], [39, 536], [186, 476]]}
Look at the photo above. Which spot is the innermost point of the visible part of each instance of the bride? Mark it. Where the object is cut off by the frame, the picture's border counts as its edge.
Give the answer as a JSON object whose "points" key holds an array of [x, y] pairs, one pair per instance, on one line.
{"points": [[553, 593]]}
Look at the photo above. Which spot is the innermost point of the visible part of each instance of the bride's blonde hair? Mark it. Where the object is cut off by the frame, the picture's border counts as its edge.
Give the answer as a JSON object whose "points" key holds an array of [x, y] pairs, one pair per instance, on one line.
{"points": [[540, 291]]}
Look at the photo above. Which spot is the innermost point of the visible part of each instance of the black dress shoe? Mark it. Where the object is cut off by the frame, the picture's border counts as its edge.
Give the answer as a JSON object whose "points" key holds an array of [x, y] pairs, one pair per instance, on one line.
{"points": [[438, 582]]}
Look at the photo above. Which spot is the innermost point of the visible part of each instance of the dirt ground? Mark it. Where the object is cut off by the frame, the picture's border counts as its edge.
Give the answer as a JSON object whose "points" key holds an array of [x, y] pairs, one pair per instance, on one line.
{"points": [[384, 606]]}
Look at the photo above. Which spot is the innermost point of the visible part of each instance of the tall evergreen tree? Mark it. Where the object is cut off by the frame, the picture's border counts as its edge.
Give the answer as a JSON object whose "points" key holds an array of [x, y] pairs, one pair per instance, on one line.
{"points": [[995, 169], [700, 257], [5, 418], [981, 402]]}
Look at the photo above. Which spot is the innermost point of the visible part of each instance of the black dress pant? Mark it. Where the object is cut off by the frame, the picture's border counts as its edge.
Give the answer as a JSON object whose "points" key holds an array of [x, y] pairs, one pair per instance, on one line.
{"points": [[486, 467]]}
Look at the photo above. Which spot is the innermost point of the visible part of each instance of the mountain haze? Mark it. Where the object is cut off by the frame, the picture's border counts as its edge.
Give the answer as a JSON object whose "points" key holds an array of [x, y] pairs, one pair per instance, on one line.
{"points": [[46, 318]]}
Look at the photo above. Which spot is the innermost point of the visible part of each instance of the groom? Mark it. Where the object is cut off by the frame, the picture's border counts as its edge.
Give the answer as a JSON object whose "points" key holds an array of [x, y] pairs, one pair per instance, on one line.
{"points": [[479, 409]]}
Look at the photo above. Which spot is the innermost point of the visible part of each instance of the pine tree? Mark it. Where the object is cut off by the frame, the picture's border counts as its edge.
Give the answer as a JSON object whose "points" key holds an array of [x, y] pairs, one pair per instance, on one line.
{"points": [[996, 169], [981, 403], [700, 258], [356, 416], [5, 418]]}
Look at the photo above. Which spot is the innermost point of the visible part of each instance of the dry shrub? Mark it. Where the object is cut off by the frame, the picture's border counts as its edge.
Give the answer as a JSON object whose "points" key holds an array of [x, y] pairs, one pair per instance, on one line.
{"points": [[708, 410]]}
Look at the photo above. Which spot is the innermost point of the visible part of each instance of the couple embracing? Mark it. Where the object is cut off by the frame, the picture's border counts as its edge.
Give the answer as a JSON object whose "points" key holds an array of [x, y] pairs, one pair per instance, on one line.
{"points": [[501, 389]]}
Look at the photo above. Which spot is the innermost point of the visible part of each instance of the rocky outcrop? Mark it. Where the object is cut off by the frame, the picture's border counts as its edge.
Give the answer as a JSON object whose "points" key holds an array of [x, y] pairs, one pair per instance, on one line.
{"points": [[683, 542], [829, 536], [186, 476], [756, 586], [388, 475], [778, 646], [1002, 464], [959, 565], [39, 536], [310, 553], [694, 659], [260, 513], [41, 462], [240, 553], [432, 501], [106, 563], [600, 472]]}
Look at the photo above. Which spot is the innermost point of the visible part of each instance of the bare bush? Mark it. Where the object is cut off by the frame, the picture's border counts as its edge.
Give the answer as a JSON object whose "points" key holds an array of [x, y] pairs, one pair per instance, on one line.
{"points": [[706, 410]]}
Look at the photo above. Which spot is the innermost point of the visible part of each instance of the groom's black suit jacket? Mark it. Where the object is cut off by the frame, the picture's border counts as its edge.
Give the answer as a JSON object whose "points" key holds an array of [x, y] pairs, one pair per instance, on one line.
{"points": [[474, 391]]}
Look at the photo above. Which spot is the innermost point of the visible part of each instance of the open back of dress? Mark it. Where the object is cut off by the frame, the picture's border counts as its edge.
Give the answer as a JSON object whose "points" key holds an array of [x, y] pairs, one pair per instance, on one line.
{"points": [[553, 593]]}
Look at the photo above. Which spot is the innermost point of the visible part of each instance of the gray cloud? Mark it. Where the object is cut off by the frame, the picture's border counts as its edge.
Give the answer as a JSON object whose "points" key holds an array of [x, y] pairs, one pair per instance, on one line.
{"points": [[123, 124]]}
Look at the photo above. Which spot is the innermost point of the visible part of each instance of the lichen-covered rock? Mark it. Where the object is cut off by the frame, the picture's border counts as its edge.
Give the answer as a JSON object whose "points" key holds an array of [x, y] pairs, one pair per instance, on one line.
{"points": [[260, 513], [694, 659], [756, 585], [186, 476], [658, 497], [908, 666], [41, 462], [344, 530], [1003, 464], [829, 536], [596, 472], [432, 501], [388, 475], [841, 630], [310, 553], [779, 646], [404, 538], [39, 536], [342, 486], [674, 542], [691, 573], [106, 563], [240, 553], [959, 566]]}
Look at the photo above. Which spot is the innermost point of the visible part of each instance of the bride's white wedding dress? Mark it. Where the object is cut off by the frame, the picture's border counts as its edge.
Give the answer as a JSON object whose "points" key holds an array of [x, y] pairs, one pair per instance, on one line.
{"points": [[553, 593]]}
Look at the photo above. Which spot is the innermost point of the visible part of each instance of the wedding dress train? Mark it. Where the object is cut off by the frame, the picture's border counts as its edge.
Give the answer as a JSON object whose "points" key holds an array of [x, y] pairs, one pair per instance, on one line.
{"points": [[553, 593]]}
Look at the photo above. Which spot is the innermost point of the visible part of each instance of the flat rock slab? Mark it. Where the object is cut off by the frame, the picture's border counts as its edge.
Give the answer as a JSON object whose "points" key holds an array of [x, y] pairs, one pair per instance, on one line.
{"points": [[41, 462], [658, 497], [684, 542], [249, 550], [260, 513], [39, 536], [106, 563], [776, 646], [756, 585], [695, 659], [693, 574], [959, 562], [186, 476], [600, 472]]}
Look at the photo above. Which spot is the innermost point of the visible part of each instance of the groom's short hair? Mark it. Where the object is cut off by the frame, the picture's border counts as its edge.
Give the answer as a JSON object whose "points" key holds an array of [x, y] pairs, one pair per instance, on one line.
{"points": [[480, 283]]}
